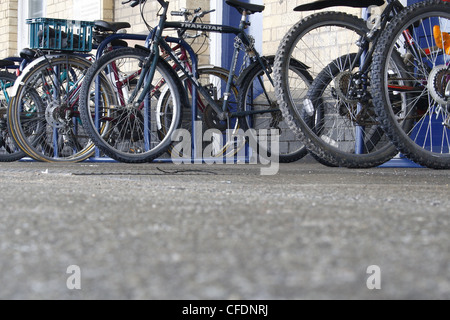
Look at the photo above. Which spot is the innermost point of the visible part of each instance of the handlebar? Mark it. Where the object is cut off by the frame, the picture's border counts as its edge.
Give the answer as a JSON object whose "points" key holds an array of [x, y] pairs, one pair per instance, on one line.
{"points": [[180, 13], [207, 12], [198, 13], [134, 3], [183, 13]]}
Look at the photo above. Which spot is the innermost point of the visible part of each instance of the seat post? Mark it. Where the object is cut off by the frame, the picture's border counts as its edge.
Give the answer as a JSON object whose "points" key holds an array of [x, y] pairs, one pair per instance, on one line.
{"points": [[244, 23]]}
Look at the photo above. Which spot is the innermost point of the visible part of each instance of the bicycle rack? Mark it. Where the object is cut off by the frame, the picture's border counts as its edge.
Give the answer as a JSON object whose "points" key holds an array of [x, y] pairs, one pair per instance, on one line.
{"points": [[399, 162]]}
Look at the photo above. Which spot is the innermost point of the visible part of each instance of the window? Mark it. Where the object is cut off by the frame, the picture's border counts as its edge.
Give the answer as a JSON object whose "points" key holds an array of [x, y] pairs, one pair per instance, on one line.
{"points": [[216, 38], [87, 10], [28, 9]]}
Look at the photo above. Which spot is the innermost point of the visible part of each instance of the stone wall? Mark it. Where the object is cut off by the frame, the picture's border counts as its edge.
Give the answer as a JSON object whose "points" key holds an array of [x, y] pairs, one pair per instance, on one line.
{"points": [[54, 9], [279, 17], [8, 27], [132, 15]]}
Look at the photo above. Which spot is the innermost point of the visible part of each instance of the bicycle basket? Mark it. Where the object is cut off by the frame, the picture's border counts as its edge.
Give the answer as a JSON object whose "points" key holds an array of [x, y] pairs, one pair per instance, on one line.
{"points": [[59, 34]]}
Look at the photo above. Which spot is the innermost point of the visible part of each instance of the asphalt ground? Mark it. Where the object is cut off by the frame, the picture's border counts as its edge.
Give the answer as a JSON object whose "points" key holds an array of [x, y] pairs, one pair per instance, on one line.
{"points": [[165, 231]]}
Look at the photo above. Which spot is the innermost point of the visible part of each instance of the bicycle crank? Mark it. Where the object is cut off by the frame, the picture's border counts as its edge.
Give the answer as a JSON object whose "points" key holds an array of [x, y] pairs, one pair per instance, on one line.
{"points": [[213, 121]]}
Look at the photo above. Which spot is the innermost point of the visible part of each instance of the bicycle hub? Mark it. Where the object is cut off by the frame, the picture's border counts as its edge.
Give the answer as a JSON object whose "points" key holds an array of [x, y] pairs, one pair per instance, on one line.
{"points": [[439, 85]]}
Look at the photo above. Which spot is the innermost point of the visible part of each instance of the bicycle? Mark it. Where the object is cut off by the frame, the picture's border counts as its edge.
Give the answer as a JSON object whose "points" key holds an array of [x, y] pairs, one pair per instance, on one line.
{"points": [[336, 119], [419, 122], [9, 151], [8, 64], [43, 116], [140, 133], [210, 77]]}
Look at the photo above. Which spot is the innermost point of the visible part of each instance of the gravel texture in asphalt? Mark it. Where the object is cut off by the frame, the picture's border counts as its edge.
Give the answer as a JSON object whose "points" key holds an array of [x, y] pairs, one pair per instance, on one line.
{"points": [[164, 231]]}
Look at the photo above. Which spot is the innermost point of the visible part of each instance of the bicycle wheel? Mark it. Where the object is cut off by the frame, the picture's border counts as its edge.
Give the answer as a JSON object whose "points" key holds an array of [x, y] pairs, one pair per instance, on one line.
{"points": [[342, 126], [44, 116], [9, 151], [317, 41], [420, 126], [123, 131], [222, 134], [258, 94]]}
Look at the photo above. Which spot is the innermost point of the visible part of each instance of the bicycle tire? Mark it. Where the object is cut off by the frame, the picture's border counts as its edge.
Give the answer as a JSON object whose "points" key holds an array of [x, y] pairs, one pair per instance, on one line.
{"points": [[54, 95], [120, 133], [297, 42], [9, 151], [256, 93], [338, 125], [426, 141]]}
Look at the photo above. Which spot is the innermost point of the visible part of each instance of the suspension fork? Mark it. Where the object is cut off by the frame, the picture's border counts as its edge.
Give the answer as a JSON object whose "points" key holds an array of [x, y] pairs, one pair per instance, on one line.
{"points": [[149, 68], [147, 75]]}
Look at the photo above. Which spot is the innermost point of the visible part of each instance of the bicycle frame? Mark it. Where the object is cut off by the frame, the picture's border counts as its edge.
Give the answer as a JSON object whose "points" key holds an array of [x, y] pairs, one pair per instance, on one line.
{"points": [[157, 42], [4, 87], [186, 51], [365, 57], [118, 36], [366, 53]]}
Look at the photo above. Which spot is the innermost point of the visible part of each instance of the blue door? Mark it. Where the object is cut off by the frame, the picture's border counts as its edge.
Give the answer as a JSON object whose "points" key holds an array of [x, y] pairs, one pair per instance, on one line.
{"points": [[232, 17]]}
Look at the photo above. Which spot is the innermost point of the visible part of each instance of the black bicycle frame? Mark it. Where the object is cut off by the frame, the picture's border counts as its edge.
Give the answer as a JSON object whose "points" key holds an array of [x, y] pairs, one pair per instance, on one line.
{"points": [[365, 58], [159, 42], [393, 7]]}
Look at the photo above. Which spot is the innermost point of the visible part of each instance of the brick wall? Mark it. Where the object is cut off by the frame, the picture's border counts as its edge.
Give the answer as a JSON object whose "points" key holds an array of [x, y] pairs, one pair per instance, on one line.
{"points": [[54, 9], [8, 27], [65, 9], [132, 15], [279, 17], [59, 9]]}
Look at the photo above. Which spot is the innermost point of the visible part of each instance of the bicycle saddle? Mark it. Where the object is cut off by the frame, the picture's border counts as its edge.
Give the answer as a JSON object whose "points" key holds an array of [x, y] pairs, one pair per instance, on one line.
{"points": [[6, 63], [241, 7], [322, 4], [111, 26], [27, 54]]}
